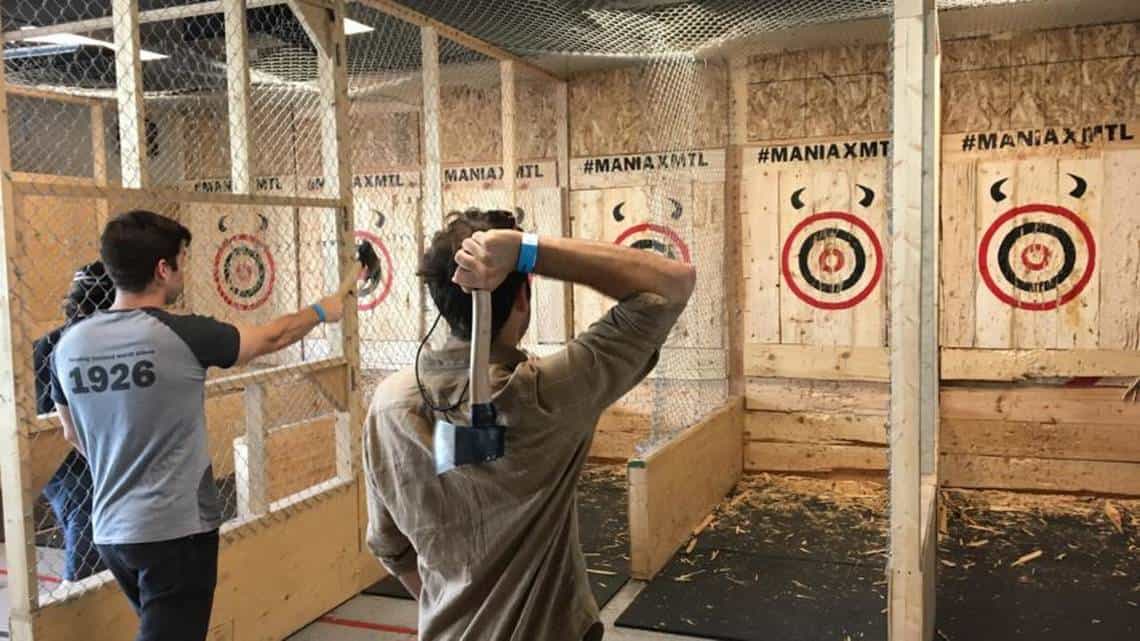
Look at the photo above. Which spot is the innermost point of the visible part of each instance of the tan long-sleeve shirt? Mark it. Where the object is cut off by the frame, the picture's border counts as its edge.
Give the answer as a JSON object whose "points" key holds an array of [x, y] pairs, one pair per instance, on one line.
{"points": [[496, 545]]}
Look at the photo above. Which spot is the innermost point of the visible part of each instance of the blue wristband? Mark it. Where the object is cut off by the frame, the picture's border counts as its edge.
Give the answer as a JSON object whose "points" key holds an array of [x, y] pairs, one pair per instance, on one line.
{"points": [[321, 315], [528, 253]]}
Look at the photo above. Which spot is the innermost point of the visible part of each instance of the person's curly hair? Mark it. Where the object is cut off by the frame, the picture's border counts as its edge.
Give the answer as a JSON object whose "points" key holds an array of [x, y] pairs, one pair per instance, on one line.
{"points": [[437, 266]]}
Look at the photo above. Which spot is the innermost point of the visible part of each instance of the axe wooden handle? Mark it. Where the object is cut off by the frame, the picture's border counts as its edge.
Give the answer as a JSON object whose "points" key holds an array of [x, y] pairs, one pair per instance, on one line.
{"points": [[480, 347]]}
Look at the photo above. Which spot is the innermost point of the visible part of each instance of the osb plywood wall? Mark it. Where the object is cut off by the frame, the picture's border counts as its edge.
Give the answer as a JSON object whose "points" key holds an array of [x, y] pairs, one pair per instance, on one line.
{"points": [[798, 335], [614, 112], [1056, 432], [822, 93], [1057, 77]]}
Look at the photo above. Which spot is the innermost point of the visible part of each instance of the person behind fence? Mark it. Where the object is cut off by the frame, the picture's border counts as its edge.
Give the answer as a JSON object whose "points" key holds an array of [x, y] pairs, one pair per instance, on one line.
{"points": [[491, 550], [129, 383], [69, 490]]}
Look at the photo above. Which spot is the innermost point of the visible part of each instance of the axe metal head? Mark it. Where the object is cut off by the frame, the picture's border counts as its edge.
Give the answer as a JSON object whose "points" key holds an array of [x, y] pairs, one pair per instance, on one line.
{"points": [[370, 261]]}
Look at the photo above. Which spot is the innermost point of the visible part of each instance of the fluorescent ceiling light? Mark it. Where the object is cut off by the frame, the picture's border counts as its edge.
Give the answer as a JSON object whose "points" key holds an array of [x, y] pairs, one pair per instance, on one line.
{"points": [[352, 27], [75, 39]]}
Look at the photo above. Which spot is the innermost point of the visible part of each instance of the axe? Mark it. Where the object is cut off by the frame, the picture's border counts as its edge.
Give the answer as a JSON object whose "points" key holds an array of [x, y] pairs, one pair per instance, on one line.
{"points": [[484, 440], [366, 256]]}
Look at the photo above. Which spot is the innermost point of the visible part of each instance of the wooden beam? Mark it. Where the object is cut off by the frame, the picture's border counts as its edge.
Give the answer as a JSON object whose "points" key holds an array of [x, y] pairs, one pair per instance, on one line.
{"points": [[1041, 475], [508, 99], [1043, 404], [48, 94], [432, 157], [931, 294], [673, 488], [78, 187], [237, 91], [905, 578], [250, 464], [397, 10], [314, 19], [812, 427], [963, 364], [813, 457], [618, 433], [562, 143], [15, 456], [129, 93], [99, 161], [846, 397], [1040, 439], [816, 361]]}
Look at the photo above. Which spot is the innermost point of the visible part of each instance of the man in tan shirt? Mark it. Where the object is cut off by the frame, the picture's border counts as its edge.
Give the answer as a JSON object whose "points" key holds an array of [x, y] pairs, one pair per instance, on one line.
{"points": [[491, 550]]}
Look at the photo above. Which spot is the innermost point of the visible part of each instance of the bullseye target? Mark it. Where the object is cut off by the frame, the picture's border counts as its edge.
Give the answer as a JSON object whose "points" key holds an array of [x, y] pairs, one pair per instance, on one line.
{"points": [[657, 238], [1037, 257], [244, 272], [380, 293], [832, 260]]}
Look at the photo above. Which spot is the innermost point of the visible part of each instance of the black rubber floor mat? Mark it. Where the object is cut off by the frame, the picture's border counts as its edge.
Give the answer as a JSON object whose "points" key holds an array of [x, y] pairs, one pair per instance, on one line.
{"points": [[1009, 574], [736, 596]]}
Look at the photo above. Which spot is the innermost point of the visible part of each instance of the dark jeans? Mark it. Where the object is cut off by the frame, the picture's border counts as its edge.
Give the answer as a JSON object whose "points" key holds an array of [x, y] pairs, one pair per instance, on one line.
{"points": [[170, 583], [69, 494]]}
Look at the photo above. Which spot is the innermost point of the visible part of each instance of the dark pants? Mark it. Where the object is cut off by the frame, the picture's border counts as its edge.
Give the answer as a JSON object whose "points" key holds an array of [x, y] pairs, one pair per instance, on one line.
{"points": [[69, 494], [170, 583]]}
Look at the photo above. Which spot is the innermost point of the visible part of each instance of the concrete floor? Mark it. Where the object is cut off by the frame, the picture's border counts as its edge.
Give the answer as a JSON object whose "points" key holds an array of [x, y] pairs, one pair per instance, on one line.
{"points": [[369, 618]]}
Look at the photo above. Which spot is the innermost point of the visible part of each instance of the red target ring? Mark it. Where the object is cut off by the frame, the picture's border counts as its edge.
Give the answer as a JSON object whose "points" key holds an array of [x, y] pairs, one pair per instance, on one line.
{"points": [[387, 288], [832, 265], [244, 272], [673, 237], [1038, 263]]}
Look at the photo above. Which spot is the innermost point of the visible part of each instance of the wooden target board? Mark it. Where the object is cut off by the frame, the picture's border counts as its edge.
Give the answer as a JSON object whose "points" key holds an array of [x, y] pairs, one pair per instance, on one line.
{"points": [[815, 244], [679, 214], [1040, 248], [386, 210], [243, 259], [537, 201]]}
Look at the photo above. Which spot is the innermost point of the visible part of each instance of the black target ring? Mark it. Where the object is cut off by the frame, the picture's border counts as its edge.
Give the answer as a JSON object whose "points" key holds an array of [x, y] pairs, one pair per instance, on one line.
{"points": [[242, 251], [244, 247], [857, 270], [1068, 247]]}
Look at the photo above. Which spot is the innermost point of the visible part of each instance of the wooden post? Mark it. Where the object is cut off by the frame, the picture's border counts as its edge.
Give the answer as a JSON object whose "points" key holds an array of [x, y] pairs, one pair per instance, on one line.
{"points": [[906, 609], [562, 111], [253, 472], [324, 23], [99, 160], [237, 91], [15, 455], [433, 163], [507, 114], [129, 93]]}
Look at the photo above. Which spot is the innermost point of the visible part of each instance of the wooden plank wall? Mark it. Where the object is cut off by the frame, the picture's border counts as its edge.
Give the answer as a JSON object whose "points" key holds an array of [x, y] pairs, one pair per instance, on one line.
{"points": [[816, 369], [1023, 118]]}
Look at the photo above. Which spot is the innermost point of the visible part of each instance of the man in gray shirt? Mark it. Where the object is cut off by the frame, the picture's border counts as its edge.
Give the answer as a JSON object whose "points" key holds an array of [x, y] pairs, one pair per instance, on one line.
{"points": [[129, 383]]}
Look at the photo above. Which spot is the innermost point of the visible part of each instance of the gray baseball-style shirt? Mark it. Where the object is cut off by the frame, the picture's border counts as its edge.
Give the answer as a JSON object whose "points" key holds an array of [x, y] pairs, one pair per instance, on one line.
{"points": [[134, 381]]}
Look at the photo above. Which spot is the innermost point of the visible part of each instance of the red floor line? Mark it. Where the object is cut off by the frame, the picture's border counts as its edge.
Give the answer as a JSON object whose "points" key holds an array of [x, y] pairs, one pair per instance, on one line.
{"points": [[365, 625], [45, 579]]}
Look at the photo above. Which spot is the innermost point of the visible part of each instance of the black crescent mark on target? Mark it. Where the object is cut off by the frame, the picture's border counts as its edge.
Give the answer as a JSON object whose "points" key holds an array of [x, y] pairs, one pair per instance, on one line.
{"points": [[264, 222], [995, 190], [1081, 188], [856, 271], [1068, 248], [222, 224], [618, 216], [796, 202], [677, 209], [520, 215], [380, 219], [653, 245], [868, 196]]}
